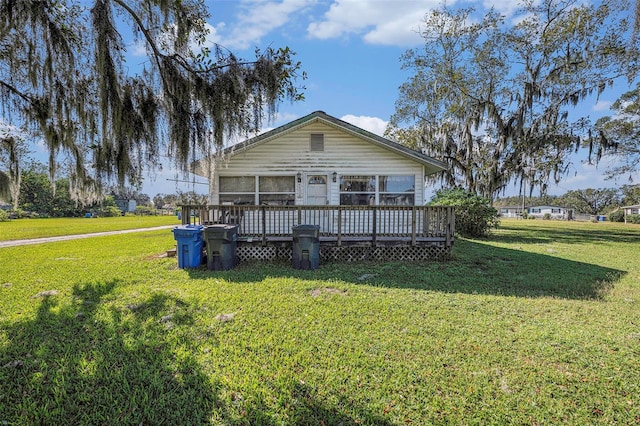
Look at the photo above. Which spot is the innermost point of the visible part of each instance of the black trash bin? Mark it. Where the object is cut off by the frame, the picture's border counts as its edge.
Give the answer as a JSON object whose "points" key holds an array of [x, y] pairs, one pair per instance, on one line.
{"points": [[221, 246], [306, 247]]}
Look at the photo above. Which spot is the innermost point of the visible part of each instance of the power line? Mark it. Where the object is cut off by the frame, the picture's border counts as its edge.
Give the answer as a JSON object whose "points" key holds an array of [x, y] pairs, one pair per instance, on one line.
{"points": [[189, 181]]}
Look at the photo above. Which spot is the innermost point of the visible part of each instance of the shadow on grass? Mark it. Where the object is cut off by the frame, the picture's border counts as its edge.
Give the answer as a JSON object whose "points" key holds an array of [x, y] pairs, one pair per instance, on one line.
{"points": [[476, 268], [99, 361]]}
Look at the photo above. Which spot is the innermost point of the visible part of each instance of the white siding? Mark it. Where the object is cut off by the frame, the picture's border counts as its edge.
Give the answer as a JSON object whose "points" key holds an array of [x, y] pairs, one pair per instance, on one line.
{"points": [[344, 154]]}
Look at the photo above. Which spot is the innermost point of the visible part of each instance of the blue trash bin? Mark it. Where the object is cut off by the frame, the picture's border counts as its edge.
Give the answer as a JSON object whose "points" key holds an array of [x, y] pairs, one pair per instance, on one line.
{"points": [[189, 242]]}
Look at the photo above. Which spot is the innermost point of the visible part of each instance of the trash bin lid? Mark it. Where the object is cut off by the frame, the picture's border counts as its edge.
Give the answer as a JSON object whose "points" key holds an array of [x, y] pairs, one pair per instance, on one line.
{"points": [[187, 231], [221, 231], [306, 227]]}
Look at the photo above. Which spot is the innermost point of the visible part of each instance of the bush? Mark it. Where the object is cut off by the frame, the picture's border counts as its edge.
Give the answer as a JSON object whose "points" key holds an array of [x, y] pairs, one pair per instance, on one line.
{"points": [[547, 216], [144, 210], [110, 211], [474, 215], [616, 216], [4, 216], [634, 218]]}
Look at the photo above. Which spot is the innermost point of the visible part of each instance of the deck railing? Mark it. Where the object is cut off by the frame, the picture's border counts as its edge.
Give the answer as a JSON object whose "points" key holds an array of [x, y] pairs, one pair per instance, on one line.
{"points": [[414, 224]]}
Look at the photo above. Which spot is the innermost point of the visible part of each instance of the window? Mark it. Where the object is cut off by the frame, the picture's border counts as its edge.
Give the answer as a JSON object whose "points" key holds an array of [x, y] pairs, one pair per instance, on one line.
{"points": [[237, 189], [396, 190], [271, 190], [277, 190], [317, 142], [382, 190], [555, 210], [357, 190]]}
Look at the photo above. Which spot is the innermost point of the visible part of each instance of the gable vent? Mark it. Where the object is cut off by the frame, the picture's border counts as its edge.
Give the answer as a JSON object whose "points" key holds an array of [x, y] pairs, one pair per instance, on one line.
{"points": [[317, 142]]}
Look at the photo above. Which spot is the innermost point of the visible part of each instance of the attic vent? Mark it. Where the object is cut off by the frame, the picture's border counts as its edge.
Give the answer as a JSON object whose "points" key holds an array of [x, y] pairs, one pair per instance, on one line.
{"points": [[317, 142]]}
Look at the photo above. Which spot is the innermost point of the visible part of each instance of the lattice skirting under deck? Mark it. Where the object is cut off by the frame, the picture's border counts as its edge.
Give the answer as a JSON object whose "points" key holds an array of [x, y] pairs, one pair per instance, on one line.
{"points": [[348, 253]]}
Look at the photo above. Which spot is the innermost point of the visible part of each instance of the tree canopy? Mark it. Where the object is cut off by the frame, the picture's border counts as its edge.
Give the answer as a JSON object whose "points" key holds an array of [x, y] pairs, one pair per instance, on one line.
{"points": [[621, 133], [492, 98], [64, 75]]}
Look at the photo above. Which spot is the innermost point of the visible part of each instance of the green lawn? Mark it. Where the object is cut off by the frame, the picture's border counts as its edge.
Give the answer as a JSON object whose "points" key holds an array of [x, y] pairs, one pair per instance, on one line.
{"points": [[37, 228], [540, 324]]}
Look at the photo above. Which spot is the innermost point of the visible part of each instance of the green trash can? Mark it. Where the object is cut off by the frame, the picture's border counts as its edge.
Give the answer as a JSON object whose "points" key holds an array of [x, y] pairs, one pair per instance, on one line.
{"points": [[221, 246], [305, 252]]}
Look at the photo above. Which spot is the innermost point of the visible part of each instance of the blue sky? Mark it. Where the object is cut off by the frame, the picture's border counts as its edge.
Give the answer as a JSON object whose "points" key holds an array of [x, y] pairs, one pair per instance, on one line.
{"points": [[350, 50]]}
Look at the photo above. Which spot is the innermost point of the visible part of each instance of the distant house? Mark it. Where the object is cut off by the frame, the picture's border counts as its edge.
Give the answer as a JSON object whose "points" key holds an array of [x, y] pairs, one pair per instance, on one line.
{"points": [[554, 212], [629, 210], [125, 205], [318, 160], [510, 211]]}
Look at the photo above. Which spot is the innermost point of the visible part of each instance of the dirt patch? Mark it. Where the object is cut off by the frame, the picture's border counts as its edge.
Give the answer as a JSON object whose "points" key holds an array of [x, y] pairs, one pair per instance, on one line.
{"points": [[326, 290], [46, 293]]}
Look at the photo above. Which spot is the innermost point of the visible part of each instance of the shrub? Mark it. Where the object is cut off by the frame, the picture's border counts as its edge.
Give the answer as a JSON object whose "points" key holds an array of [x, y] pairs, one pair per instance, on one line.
{"points": [[110, 211], [634, 218], [4, 216], [616, 216], [547, 216], [474, 215], [525, 215]]}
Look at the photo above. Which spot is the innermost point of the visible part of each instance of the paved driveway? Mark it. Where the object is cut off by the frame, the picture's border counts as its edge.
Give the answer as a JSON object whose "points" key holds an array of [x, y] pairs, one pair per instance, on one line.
{"points": [[14, 243]]}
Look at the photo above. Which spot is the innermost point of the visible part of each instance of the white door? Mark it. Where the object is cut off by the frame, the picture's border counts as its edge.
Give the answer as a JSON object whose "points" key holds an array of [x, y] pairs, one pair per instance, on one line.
{"points": [[316, 190]]}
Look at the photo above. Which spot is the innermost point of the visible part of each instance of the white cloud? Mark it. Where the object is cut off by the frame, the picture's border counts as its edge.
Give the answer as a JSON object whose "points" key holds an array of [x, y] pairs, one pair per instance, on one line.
{"points": [[378, 22], [372, 124], [505, 7], [259, 17], [602, 106]]}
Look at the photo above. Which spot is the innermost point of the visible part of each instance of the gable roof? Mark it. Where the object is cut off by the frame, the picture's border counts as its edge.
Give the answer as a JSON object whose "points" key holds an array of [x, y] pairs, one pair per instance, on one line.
{"points": [[322, 117]]}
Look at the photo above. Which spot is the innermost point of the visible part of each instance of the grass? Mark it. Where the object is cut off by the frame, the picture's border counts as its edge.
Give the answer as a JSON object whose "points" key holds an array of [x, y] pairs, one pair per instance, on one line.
{"points": [[38, 228], [540, 324]]}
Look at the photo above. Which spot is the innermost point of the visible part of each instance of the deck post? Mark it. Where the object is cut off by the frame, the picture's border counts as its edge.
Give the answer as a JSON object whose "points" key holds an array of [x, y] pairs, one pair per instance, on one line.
{"points": [[339, 226], [451, 224], [264, 225], [374, 233], [413, 226]]}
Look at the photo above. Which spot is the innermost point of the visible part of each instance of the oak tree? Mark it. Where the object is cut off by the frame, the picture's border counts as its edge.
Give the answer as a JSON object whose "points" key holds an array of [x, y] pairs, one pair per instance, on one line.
{"points": [[492, 97], [64, 74]]}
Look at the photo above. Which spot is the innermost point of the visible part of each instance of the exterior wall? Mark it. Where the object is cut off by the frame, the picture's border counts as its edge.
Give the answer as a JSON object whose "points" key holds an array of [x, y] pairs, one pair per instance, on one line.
{"points": [[554, 211], [343, 154], [631, 210], [512, 212]]}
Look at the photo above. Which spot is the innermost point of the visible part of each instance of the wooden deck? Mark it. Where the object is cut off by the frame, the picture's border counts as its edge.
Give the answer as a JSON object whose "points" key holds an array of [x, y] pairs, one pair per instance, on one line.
{"points": [[366, 226]]}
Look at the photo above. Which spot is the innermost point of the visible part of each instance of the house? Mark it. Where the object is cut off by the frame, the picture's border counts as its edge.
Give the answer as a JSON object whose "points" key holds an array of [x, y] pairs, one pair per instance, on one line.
{"points": [[318, 160], [510, 211], [630, 210], [553, 212], [362, 190], [126, 205]]}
